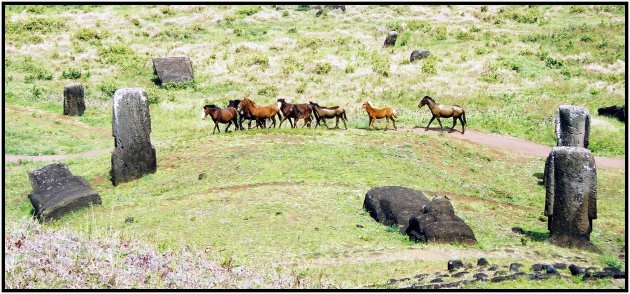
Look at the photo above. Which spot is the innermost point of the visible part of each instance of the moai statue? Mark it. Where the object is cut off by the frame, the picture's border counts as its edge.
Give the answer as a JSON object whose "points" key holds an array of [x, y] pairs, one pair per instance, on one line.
{"points": [[573, 124], [73, 103], [133, 155], [571, 196]]}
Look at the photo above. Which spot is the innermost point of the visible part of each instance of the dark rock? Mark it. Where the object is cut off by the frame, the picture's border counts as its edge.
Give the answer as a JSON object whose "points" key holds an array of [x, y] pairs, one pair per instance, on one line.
{"points": [[420, 276], [540, 276], [618, 112], [359, 226], [393, 205], [278, 212], [611, 269], [560, 265], [481, 276], [576, 270], [319, 13], [73, 99], [418, 54], [332, 7], [391, 39], [571, 196], [482, 262], [454, 284], [438, 280], [201, 176], [515, 267], [493, 268], [443, 275], [454, 264], [507, 278], [459, 275], [550, 269], [602, 275], [438, 223], [500, 273], [537, 267], [173, 69], [134, 155], [129, 220], [573, 125], [57, 192]]}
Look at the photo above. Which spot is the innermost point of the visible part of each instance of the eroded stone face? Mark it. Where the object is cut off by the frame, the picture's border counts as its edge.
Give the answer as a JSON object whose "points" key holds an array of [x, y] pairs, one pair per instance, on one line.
{"points": [[133, 155], [73, 99], [573, 125], [57, 192], [418, 54], [571, 195], [391, 39], [173, 69]]}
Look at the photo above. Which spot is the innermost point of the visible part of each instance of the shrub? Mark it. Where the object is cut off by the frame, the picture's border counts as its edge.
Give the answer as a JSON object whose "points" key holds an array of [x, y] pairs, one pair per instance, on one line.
{"points": [[484, 8], [416, 25], [86, 34], [440, 33], [301, 88], [268, 91], [394, 26], [285, 13], [38, 73], [489, 73], [464, 36], [577, 9], [167, 10], [72, 73], [36, 9], [229, 18], [350, 68], [118, 53], [586, 38], [429, 65], [254, 58], [551, 62], [323, 68], [380, 64], [248, 10], [312, 42], [403, 39]]}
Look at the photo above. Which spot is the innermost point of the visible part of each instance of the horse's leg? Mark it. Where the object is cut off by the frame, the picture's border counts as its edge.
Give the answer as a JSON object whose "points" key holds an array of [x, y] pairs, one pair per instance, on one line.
{"points": [[386, 123], [344, 123], [395, 128], [324, 120], [430, 121], [440, 122], [454, 123], [336, 122], [273, 119], [216, 127], [463, 125]]}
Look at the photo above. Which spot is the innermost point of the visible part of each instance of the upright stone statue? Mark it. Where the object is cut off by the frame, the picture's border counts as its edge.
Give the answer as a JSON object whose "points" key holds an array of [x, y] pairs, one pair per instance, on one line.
{"points": [[571, 196], [57, 192], [391, 39], [73, 103], [573, 124], [133, 155]]}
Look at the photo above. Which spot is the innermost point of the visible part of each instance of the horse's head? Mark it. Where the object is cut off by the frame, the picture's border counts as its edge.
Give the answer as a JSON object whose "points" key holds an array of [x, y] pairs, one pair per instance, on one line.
{"points": [[424, 101], [234, 103], [206, 111], [366, 104]]}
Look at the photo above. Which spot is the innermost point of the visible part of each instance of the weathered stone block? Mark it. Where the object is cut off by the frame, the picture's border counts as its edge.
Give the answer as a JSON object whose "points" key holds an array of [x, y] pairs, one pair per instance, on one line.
{"points": [[173, 69], [419, 54], [57, 192], [573, 125], [437, 222], [73, 99], [391, 39], [133, 154], [393, 205], [571, 196]]}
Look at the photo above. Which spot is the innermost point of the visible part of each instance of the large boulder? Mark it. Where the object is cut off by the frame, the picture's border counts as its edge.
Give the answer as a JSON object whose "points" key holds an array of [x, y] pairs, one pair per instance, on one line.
{"points": [[419, 54], [133, 154], [573, 125], [173, 69], [73, 99], [571, 196], [57, 192], [394, 205], [618, 112], [391, 39], [437, 222]]}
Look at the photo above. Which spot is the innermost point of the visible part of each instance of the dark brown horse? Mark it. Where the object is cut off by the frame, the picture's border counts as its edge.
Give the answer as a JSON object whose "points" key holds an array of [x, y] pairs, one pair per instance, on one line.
{"points": [[322, 113], [377, 113], [260, 112], [245, 115], [221, 115], [295, 112], [455, 111]]}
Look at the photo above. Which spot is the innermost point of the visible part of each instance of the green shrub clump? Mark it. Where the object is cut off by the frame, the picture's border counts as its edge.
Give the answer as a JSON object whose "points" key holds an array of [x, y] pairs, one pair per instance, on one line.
{"points": [[323, 68], [72, 73]]}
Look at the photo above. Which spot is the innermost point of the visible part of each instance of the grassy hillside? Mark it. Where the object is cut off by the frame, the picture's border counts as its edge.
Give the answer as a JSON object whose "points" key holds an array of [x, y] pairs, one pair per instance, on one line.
{"points": [[293, 198]]}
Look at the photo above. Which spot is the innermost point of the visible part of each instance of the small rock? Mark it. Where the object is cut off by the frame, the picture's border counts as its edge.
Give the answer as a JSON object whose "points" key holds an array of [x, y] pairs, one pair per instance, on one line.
{"points": [[129, 220], [518, 230], [420, 276], [454, 264], [576, 270], [500, 273], [560, 265], [493, 268], [481, 276], [319, 12], [438, 280], [391, 281], [550, 269], [443, 275], [515, 267], [278, 212], [482, 262], [359, 226], [611, 269], [537, 267], [459, 275], [201, 176]]}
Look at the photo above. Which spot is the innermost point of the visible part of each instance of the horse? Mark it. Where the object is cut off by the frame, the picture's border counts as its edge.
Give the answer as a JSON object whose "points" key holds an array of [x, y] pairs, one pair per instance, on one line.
{"points": [[260, 112], [377, 113], [295, 112], [322, 113], [221, 115], [455, 111], [244, 114]]}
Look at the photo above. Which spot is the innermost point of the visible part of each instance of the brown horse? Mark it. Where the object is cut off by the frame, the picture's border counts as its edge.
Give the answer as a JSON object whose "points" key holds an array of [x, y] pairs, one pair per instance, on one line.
{"points": [[295, 112], [455, 111], [260, 112], [221, 115], [322, 113], [378, 113], [245, 115]]}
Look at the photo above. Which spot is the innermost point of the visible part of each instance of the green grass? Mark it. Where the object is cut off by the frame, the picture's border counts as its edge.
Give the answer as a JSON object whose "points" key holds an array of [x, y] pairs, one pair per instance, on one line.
{"points": [[294, 197]]}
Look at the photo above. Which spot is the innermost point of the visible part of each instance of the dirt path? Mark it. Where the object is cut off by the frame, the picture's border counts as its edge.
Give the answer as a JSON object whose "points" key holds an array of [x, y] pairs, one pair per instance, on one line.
{"points": [[512, 144], [91, 153]]}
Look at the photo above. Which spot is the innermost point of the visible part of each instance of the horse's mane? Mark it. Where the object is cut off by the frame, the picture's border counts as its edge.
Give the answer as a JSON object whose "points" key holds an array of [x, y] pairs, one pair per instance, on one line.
{"points": [[370, 103], [430, 98], [210, 106]]}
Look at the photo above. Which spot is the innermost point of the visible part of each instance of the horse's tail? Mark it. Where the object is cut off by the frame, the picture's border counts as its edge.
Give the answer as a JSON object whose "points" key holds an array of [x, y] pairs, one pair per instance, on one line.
{"points": [[464, 117], [343, 115]]}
